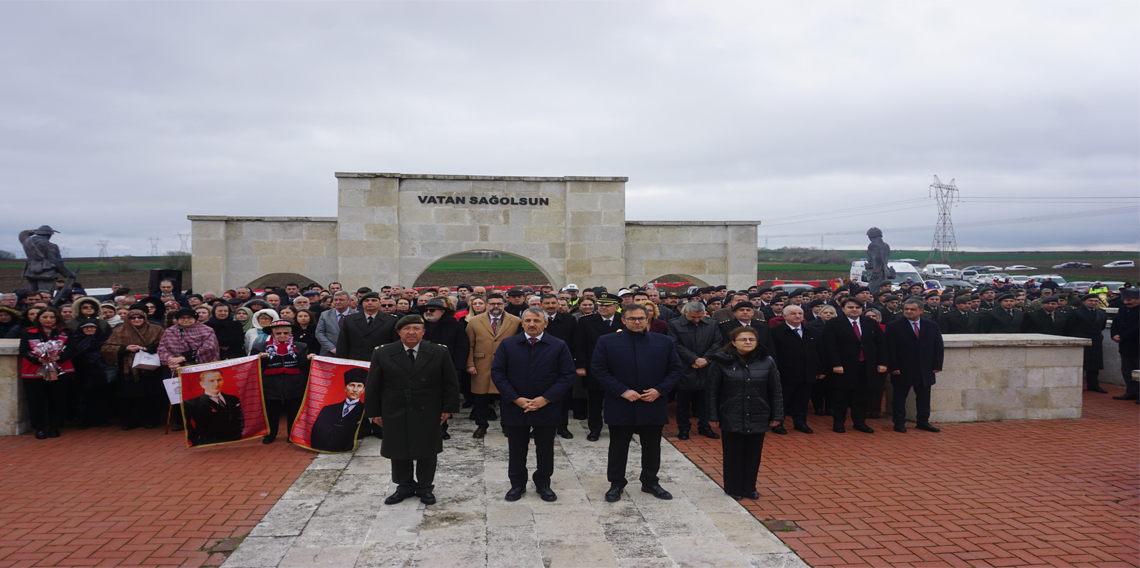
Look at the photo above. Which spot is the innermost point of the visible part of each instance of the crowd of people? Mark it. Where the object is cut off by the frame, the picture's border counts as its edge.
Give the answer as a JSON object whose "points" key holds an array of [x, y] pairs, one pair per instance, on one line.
{"points": [[745, 360]]}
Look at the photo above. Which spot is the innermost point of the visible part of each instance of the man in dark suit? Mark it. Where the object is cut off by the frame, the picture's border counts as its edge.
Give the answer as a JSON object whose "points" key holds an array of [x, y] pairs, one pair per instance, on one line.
{"points": [[533, 371], [362, 333], [1005, 318], [915, 348], [559, 325], [855, 351], [214, 417], [335, 427], [697, 337], [960, 319], [412, 389], [637, 369], [797, 359], [1126, 331], [744, 314], [1048, 320], [1087, 321], [586, 334]]}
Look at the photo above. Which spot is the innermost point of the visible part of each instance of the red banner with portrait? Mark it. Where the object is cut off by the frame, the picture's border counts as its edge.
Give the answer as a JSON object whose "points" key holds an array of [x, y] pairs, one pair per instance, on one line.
{"points": [[333, 408], [222, 402]]}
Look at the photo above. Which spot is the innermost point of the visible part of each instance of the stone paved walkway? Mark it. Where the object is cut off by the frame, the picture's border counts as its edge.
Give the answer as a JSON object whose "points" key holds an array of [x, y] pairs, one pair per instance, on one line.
{"points": [[334, 515]]}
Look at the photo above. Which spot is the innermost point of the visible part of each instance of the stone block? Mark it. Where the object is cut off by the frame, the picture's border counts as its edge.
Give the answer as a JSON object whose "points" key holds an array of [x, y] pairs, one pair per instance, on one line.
{"points": [[358, 214], [577, 187], [613, 202], [716, 266], [350, 231], [607, 187], [582, 202], [487, 215], [1065, 397], [255, 230], [953, 415], [1033, 397], [586, 218], [273, 264], [1053, 413], [320, 231], [462, 233], [414, 213], [449, 215], [204, 230], [1014, 414], [997, 357], [287, 231], [1055, 357], [507, 234], [608, 266], [215, 265], [542, 234], [378, 231], [264, 248], [1034, 377], [943, 399], [989, 399], [1061, 377]]}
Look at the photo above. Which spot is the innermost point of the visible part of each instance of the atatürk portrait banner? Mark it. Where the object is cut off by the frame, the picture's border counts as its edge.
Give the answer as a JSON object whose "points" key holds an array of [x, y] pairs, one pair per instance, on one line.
{"points": [[222, 402], [333, 408]]}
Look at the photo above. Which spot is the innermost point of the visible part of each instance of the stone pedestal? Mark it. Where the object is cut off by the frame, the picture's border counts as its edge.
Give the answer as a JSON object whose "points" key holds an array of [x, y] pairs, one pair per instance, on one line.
{"points": [[1007, 377], [13, 406]]}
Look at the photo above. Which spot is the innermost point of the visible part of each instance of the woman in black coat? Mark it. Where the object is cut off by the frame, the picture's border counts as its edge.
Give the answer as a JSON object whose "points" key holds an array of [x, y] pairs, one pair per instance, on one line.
{"points": [[743, 394], [305, 330], [231, 336]]}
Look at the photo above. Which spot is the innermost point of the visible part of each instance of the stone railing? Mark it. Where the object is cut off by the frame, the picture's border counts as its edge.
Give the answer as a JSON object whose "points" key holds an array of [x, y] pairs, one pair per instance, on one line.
{"points": [[1007, 377], [13, 407]]}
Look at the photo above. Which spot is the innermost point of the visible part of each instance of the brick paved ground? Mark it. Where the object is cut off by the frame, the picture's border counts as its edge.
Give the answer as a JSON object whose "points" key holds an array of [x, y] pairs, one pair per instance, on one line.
{"points": [[1031, 493], [104, 497]]}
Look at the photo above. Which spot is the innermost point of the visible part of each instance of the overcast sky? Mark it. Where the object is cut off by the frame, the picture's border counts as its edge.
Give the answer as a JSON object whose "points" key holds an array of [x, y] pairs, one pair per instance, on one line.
{"points": [[119, 119]]}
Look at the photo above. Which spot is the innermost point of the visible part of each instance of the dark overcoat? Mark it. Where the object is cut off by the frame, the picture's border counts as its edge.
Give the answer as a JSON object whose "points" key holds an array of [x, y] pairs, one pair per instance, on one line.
{"points": [[586, 334], [797, 358], [694, 341], [1126, 324], [410, 398], [916, 358], [1039, 321], [841, 348], [1086, 323], [1000, 321], [743, 398], [358, 340], [638, 362], [955, 322], [450, 333], [522, 370]]}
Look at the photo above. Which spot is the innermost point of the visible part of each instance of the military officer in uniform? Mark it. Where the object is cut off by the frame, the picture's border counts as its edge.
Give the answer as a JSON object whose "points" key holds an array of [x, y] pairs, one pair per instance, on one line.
{"points": [[961, 319], [1088, 321], [586, 333], [1048, 319], [744, 315], [1005, 318]]}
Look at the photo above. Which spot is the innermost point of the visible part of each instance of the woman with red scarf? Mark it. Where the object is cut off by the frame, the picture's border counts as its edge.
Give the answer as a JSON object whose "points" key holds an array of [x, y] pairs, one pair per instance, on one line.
{"points": [[284, 374], [45, 356]]}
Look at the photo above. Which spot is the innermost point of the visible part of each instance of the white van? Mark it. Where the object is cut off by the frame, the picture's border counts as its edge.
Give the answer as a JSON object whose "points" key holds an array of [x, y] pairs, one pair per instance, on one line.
{"points": [[934, 269], [903, 270]]}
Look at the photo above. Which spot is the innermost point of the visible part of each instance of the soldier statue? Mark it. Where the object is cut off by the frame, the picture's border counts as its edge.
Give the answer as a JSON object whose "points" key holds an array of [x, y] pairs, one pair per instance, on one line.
{"points": [[878, 254], [44, 264]]}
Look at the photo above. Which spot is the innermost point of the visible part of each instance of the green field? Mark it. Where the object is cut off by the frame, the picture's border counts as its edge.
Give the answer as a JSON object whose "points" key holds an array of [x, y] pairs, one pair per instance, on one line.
{"points": [[472, 262]]}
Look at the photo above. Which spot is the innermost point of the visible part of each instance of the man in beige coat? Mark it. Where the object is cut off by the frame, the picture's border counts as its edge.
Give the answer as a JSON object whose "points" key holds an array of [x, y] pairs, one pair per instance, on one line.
{"points": [[485, 331]]}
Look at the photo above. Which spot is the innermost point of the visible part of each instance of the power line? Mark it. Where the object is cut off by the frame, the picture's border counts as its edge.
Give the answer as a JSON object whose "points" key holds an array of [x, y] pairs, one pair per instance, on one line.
{"points": [[986, 223], [944, 243], [154, 245]]}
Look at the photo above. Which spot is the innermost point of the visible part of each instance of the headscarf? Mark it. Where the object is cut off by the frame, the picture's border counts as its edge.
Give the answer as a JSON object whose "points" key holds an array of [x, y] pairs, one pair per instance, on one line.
{"points": [[228, 331], [146, 336], [159, 317], [248, 323]]}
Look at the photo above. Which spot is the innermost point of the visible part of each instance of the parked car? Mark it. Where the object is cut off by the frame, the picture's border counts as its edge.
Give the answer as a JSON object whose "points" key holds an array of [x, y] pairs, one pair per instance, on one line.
{"points": [[951, 273], [948, 282], [1112, 286], [1020, 267], [1080, 287], [1020, 280], [976, 268], [935, 269], [969, 274], [1073, 265], [1121, 264]]}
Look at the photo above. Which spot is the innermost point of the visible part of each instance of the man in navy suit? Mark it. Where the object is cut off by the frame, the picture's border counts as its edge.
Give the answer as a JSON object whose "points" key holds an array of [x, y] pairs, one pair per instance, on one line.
{"points": [[637, 369], [856, 352], [916, 354], [533, 371]]}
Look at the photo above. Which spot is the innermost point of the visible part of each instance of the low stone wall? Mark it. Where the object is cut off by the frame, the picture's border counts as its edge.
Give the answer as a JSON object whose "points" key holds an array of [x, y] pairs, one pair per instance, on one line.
{"points": [[1007, 377], [13, 407]]}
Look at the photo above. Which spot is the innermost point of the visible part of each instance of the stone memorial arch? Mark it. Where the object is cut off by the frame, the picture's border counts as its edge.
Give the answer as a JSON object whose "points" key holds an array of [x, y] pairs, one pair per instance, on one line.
{"points": [[390, 228]]}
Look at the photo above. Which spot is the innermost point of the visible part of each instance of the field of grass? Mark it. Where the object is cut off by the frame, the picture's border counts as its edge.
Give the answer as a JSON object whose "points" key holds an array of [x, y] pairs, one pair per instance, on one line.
{"points": [[468, 262]]}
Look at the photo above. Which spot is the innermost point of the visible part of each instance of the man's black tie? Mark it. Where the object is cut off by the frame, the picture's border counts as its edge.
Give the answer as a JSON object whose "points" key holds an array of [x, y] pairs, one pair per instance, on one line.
{"points": [[369, 320], [412, 355]]}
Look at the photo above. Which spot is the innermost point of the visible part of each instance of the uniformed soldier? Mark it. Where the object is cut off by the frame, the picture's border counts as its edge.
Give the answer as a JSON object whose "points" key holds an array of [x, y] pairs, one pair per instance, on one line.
{"points": [[961, 319], [1005, 318], [1048, 319], [1087, 321], [988, 296], [890, 309]]}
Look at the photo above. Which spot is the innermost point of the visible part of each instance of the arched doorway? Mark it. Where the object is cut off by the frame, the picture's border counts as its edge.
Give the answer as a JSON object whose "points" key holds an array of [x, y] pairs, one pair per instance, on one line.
{"points": [[281, 279], [667, 279], [483, 268]]}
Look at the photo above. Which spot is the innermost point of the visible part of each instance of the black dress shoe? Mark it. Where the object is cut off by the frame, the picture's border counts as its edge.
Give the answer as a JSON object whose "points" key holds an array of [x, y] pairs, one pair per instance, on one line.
{"points": [[565, 434], [1098, 389], [446, 436], [547, 494], [864, 428], [479, 432], [427, 498], [683, 435], [754, 495], [804, 428], [614, 494], [737, 497], [515, 493], [268, 439], [838, 428], [780, 429], [928, 427], [901, 428], [594, 436], [1127, 397], [708, 433], [657, 491], [41, 434], [53, 433], [398, 496]]}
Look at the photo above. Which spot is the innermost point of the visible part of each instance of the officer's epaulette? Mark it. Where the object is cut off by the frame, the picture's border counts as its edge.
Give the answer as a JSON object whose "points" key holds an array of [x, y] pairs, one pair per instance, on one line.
{"points": [[619, 331], [725, 321]]}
